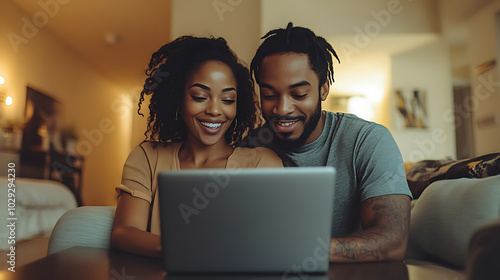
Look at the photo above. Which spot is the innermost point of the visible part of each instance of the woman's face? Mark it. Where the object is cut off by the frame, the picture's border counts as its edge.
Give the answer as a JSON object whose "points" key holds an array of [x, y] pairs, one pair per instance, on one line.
{"points": [[209, 102]]}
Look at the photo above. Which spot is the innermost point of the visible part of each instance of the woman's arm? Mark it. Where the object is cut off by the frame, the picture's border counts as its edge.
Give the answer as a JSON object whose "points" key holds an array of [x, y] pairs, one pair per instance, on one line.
{"points": [[130, 225]]}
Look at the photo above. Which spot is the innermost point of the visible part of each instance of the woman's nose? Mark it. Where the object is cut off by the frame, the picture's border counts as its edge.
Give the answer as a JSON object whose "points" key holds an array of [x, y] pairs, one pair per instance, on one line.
{"points": [[213, 108]]}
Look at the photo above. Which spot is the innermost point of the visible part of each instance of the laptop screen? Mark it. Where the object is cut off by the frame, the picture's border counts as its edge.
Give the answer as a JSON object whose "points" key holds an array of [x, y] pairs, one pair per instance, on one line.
{"points": [[246, 220]]}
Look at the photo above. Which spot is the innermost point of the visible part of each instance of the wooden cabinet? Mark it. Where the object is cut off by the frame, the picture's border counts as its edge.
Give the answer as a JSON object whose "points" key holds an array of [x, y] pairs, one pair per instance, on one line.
{"points": [[65, 168], [7, 156]]}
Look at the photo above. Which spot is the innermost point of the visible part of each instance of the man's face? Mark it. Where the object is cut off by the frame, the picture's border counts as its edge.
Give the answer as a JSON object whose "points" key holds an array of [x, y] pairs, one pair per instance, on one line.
{"points": [[291, 98]]}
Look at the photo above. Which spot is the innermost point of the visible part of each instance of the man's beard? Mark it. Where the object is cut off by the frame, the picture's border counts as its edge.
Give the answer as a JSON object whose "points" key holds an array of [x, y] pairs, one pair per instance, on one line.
{"points": [[309, 127]]}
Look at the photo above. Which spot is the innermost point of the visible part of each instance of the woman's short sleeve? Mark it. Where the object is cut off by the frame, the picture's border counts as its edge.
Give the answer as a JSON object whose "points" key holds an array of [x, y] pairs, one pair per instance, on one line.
{"points": [[137, 179]]}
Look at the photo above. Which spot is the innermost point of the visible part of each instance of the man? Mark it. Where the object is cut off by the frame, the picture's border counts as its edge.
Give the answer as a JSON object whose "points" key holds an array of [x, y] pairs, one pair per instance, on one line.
{"points": [[293, 68]]}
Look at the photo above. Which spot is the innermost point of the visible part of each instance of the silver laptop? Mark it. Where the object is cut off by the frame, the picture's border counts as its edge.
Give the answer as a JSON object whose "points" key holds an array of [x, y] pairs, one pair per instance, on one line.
{"points": [[264, 220]]}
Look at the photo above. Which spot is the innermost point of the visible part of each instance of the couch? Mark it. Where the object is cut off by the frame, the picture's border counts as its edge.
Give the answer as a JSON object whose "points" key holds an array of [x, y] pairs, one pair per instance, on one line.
{"points": [[37, 205], [454, 233], [453, 225]]}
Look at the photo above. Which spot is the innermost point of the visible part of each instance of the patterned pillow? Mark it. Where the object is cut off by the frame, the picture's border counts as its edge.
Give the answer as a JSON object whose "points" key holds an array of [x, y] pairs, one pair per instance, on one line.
{"points": [[424, 172]]}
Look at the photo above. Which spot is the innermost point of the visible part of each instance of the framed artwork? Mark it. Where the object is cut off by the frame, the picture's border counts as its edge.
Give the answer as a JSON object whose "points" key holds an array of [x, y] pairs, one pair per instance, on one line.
{"points": [[42, 117], [411, 109]]}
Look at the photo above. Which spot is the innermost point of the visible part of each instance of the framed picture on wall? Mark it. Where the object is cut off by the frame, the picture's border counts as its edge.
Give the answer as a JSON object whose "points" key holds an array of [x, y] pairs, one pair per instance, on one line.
{"points": [[411, 109], [42, 117]]}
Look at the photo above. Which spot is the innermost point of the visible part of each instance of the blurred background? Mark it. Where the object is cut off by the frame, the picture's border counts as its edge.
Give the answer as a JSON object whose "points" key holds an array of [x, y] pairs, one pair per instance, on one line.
{"points": [[71, 73]]}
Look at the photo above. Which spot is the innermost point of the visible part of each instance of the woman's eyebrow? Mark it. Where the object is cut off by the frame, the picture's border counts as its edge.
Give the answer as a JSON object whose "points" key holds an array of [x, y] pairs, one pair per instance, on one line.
{"points": [[200, 86], [208, 88], [228, 89]]}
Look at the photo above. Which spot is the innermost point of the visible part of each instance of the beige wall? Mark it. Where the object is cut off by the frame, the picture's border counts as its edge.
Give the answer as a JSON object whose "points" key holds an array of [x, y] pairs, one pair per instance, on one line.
{"points": [[367, 75], [483, 45], [333, 18], [378, 55], [97, 107], [238, 21], [428, 69]]}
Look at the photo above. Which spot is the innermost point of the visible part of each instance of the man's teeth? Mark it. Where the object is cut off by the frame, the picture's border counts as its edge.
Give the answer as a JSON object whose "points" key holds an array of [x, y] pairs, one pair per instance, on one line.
{"points": [[286, 123], [211, 125]]}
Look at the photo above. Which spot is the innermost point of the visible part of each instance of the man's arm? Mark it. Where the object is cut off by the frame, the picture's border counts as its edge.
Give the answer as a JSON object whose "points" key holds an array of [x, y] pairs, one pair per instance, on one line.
{"points": [[385, 220]]}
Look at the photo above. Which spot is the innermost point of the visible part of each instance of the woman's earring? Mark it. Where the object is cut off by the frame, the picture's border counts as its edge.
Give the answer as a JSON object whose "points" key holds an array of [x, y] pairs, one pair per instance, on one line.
{"points": [[235, 124], [176, 115]]}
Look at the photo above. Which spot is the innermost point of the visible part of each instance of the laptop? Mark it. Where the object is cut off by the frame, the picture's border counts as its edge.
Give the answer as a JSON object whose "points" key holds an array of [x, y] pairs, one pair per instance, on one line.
{"points": [[263, 220]]}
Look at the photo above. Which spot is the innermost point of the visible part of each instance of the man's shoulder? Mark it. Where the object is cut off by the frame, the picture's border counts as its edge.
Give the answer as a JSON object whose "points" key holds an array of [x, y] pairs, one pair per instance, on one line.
{"points": [[350, 119], [352, 124]]}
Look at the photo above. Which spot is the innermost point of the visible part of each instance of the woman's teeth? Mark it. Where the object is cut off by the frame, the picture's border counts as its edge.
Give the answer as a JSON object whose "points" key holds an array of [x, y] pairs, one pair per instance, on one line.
{"points": [[211, 125]]}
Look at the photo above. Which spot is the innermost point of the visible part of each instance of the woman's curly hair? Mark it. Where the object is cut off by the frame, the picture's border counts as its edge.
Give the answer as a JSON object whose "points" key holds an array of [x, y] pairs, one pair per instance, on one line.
{"points": [[168, 71]]}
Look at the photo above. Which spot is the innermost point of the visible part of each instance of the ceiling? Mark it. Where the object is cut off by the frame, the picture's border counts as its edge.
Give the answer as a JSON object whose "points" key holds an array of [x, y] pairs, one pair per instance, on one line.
{"points": [[116, 37]]}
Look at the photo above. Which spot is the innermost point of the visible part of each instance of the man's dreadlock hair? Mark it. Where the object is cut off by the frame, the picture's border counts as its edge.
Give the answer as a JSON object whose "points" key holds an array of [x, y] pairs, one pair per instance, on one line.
{"points": [[297, 40]]}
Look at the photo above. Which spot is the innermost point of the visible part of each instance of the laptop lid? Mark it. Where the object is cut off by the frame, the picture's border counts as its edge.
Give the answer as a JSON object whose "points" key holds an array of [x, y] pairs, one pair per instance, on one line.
{"points": [[262, 220]]}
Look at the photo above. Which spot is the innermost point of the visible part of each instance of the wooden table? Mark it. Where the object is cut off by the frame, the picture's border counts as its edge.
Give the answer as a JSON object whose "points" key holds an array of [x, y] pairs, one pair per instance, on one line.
{"points": [[95, 264]]}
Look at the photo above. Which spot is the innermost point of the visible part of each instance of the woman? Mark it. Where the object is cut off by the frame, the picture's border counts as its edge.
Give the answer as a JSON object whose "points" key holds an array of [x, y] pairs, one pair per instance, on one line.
{"points": [[202, 103]]}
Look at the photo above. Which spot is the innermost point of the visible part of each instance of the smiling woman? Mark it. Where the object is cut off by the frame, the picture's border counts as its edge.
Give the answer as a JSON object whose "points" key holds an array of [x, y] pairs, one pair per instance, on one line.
{"points": [[210, 102], [202, 104]]}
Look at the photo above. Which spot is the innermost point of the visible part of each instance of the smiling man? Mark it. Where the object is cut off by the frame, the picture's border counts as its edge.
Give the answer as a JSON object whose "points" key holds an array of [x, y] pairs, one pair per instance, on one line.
{"points": [[294, 69]]}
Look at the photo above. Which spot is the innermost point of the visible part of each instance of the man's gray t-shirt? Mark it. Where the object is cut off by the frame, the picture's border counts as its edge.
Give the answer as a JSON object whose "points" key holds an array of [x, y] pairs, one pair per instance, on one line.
{"points": [[365, 155]]}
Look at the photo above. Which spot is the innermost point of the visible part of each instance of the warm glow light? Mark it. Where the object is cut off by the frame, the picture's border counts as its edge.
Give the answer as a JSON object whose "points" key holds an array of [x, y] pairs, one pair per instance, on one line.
{"points": [[361, 107], [2, 80], [8, 100]]}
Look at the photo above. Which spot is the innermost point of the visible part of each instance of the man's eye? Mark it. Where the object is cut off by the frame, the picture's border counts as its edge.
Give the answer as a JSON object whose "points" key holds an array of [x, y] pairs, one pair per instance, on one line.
{"points": [[268, 96], [300, 96]]}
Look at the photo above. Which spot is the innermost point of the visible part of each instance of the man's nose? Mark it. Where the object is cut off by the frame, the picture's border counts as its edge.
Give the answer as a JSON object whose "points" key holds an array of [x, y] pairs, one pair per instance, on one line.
{"points": [[284, 106]]}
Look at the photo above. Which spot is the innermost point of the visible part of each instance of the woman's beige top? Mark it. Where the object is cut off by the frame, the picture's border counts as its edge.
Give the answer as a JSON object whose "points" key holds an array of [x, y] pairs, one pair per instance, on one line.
{"points": [[143, 164]]}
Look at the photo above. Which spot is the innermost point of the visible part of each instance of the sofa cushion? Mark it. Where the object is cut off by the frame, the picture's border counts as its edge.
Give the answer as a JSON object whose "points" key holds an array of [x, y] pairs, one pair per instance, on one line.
{"points": [[88, 226], [447, 213]]}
